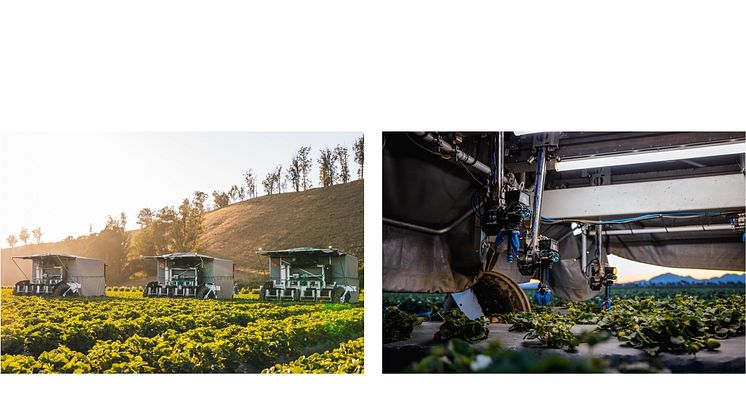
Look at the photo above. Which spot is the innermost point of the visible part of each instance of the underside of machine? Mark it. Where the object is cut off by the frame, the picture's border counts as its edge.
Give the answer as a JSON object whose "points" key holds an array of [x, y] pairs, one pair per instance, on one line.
{"points": [[483, 211]]}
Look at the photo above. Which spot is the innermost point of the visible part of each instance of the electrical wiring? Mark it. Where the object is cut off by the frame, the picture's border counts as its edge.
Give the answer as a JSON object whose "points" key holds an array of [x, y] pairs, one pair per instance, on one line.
{"points": [[427, 149], [470, 174], [448, 157], [549, 220], [493, 159], [475, 205], [476, 154]]}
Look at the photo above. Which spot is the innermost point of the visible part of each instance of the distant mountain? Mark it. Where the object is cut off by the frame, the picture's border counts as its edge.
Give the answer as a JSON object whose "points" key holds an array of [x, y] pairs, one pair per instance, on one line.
{"points": [[669, 279], [728, 278]]}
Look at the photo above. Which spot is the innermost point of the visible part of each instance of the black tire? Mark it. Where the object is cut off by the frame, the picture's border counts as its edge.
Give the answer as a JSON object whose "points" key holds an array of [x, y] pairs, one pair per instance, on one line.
{"points": [[151, 284], [202, 293], [261, 293], [20, 284], [337, 294], [62, 290], [498, 294]]}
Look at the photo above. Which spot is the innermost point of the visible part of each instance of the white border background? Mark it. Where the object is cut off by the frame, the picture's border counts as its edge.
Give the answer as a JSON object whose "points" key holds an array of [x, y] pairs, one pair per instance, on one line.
{"points": [[381, 65]]}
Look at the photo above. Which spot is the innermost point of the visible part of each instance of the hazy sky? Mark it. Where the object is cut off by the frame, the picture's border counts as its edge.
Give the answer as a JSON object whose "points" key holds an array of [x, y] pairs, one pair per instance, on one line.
{"points": [[63, 182]]}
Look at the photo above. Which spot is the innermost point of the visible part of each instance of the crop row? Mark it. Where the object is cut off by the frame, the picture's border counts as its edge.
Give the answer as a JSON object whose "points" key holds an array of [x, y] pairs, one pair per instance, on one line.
{"points": [[232, 349], [36, 309], [347, 358], [677, 324], [680, 324], [79, 325]]}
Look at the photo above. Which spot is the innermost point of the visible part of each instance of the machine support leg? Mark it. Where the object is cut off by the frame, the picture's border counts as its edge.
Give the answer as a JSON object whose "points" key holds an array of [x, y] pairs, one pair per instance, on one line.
{"points": [[543, 294], [538, 192], [584, 253]]}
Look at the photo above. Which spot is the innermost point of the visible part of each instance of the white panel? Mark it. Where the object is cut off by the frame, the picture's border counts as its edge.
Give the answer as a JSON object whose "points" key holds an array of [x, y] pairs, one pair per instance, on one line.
{"points": [[689, 194], [467, 302]]}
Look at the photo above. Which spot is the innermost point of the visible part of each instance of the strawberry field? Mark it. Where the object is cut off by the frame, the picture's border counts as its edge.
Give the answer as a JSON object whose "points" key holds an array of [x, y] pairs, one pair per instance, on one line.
{"points": [[126, 333], [669, 329]]}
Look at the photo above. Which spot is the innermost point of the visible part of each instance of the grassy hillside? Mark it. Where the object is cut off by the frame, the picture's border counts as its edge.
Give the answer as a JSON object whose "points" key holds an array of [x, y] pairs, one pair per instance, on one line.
{"points": [[319, 217]]}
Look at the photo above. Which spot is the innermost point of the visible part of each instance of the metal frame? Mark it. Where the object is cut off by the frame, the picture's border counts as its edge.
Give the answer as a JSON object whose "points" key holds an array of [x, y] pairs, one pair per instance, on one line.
{"points": [[292, 286], [37, 283], [663, 230], [315, 282], [709, 186], [428, 230], [586, 144], [675, 195], [168, 288]]}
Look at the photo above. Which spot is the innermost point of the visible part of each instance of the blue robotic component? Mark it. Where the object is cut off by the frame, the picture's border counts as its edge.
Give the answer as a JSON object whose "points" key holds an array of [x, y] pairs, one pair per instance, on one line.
{"points": [[543, 295], [551, 255], [542, 252], [598, 273], [514, 243], [605, 304], [608, 281], [505, 222], [610, 277]]}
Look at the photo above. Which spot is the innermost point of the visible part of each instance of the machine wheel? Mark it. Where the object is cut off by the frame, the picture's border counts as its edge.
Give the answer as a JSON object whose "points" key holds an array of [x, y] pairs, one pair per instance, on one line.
{"points": [[20, 284], [498, 294], [60, 289], [337, 294], [202, 293], [261, 293], [150, 285]]}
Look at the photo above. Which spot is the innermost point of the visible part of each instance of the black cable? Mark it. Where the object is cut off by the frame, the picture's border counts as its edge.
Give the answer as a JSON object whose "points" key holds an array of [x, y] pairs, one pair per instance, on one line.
{"points": [[444, 155], [474, 161], [470, 174], [424, 148]]}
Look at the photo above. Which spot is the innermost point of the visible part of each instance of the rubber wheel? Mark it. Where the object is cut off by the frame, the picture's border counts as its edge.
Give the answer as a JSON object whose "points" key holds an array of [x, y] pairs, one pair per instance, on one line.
{"points": [[498, 294], [60, 289], [336, 294], [20, 284], [261, 293], [202, 292], [150, 285]]}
